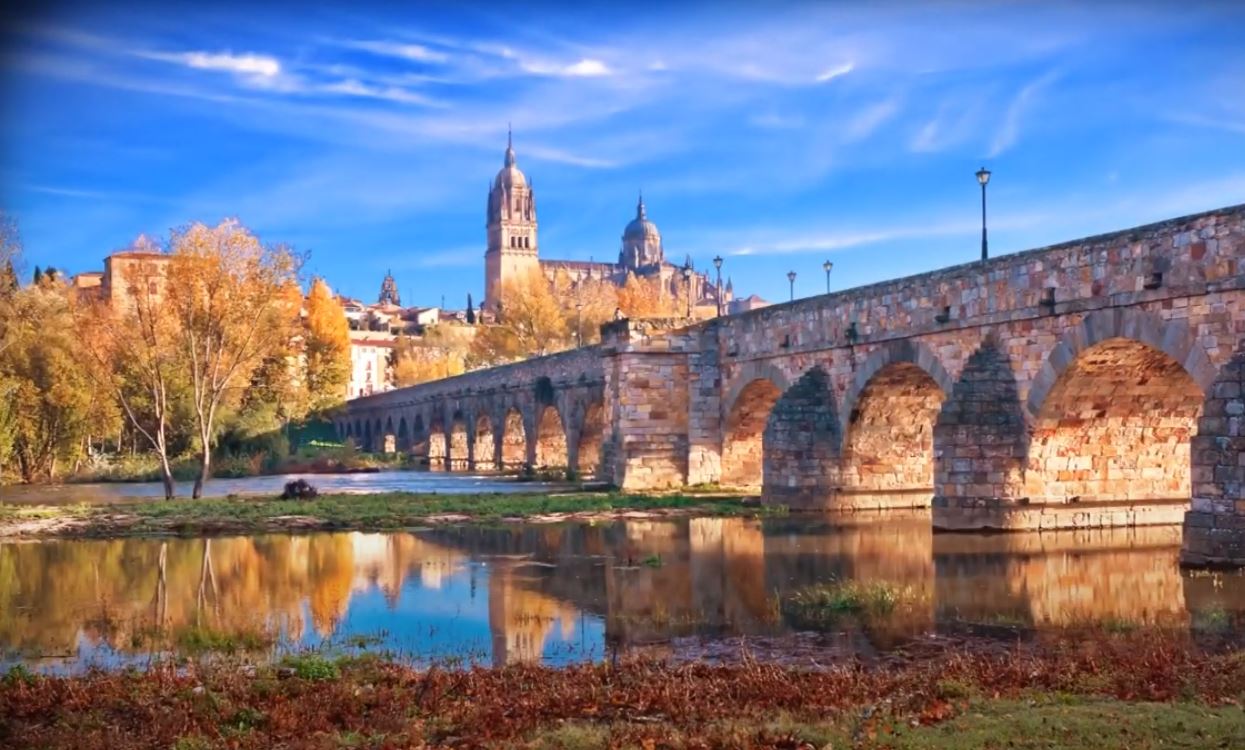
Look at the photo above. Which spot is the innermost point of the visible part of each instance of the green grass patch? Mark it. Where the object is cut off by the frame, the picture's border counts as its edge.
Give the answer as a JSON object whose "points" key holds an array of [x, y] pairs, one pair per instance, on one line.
{"points": [[195, 641], [827, 605], [312, 666], [347, 511]]}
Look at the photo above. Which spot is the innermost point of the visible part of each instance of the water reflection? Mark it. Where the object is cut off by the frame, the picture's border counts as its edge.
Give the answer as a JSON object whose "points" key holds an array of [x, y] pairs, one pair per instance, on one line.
{"points": [[558, 593]]}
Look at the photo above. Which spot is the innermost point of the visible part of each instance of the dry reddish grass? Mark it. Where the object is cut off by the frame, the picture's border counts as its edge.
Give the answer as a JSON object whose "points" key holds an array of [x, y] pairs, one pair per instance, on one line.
{"points": [[373, 703]]}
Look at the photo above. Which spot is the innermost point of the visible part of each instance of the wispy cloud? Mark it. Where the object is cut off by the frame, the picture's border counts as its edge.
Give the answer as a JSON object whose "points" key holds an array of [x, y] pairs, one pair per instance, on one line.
{"points": [[584, 68], [247, 64], [400, 50], [1009, 131], [835, 72], [354, 87]]}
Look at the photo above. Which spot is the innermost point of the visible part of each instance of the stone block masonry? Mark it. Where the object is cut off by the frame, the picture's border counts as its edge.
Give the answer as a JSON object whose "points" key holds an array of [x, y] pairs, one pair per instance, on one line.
{"points": [[1093, 383]]}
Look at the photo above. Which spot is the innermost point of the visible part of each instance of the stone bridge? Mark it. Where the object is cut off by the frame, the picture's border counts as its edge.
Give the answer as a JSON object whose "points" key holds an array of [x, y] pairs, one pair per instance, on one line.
{"points": [[1092, 383]]}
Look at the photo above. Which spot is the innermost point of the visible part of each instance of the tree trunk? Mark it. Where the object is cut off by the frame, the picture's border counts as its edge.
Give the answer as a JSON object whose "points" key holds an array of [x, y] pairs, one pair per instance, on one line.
{"points": [[166, 475], [205, 473]]}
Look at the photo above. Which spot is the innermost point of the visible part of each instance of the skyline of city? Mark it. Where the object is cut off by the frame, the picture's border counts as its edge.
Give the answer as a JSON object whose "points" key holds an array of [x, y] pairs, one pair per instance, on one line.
{"points": [[777, 141]]}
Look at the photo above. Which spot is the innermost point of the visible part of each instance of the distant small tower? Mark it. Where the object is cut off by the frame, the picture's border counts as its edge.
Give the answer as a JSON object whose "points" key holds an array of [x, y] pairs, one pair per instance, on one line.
{"points": [[389, 291]]}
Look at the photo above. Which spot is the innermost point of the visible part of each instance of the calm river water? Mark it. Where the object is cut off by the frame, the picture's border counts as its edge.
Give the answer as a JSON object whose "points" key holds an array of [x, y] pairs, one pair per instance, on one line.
{"points": [[568, 592], [381, 481]]}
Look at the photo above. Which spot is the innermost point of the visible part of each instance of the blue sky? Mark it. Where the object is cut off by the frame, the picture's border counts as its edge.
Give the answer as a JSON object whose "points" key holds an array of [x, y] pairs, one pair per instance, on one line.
{"points": [[776, 135]]}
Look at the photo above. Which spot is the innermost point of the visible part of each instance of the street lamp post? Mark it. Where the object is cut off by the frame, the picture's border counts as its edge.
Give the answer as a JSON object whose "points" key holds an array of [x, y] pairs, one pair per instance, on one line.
{"points": [[687, 285], [579, 328], [827, 266], [791, 280], [983, 177], [717, 263]]}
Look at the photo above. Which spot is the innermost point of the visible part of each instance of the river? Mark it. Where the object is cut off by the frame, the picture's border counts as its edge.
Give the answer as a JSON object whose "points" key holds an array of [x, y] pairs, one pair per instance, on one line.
{"points": [[354, 483], [559, 593]]}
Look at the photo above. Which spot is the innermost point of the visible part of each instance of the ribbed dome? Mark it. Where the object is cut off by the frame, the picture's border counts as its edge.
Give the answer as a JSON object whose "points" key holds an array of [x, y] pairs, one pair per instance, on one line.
{"points": [[510, 175], [640, 228]]}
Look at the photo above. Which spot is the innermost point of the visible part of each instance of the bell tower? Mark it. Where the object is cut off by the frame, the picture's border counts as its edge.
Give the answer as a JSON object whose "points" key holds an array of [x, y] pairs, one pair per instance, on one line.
{"points": [[511, 228]]}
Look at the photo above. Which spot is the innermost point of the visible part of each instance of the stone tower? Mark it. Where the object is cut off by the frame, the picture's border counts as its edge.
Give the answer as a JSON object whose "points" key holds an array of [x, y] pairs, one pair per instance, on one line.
{"points": [[389, 291], [512, 251]]}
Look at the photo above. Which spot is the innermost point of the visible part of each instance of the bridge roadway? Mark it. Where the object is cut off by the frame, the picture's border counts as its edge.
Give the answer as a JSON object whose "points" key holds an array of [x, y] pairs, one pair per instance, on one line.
{"points": [[1092, 383]]}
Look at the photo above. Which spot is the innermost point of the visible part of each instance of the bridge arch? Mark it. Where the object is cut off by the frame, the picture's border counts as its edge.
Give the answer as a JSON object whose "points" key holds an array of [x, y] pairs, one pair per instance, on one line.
{"points": [[513, 439], [438, 441], [403, 435], [889, 417], [550, 438], [591, 438], [800, 444], [1114, 411], [460, 448], [748, 404], [485, 442]]}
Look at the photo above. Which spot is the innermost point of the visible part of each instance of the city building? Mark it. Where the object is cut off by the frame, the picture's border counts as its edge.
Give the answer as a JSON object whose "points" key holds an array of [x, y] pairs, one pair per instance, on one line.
{"points": [[513, 248], [370, 370]]}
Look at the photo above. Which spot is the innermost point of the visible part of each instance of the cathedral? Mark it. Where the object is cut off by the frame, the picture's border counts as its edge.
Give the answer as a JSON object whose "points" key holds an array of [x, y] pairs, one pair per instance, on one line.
{"points": [[513, 250]]}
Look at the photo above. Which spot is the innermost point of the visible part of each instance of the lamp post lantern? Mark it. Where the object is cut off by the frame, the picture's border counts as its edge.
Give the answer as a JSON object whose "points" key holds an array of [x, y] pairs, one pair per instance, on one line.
{"points": [[983, 177], [717, 263], [827, 267], [791, 280], [687, 285]]}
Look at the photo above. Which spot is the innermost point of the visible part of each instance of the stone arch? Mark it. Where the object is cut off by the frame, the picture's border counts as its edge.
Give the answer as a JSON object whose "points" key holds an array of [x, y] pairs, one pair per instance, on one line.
{"points": [[459, 437], [1171, 337], [438, 442], [513, 440], [743, 431], [388, 441], [889, 417], [378, 438], [801, 444], [591, 439], [485, 441], [550, 438], [904, 351], [1114, 411]]}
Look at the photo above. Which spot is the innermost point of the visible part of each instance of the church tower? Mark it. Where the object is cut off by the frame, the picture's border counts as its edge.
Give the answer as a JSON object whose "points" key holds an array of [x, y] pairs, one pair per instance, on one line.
{"points": [[511, 226]]}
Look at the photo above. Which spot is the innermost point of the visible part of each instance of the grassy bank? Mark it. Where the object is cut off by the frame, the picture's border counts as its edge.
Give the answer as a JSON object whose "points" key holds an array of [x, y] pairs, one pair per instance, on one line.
{"points": [[338, 511], [1140, 690], [315, 458]]}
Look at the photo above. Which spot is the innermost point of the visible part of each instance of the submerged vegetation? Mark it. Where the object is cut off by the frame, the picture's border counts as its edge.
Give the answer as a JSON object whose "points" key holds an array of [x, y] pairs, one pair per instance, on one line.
{"points": [[1109, 690], [394, 510], [827, 605]]}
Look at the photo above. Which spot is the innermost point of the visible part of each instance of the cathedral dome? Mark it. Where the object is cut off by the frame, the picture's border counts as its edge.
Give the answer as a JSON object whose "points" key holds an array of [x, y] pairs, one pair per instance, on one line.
{"points": [[640, 228], [641, 242], [510, 175]]}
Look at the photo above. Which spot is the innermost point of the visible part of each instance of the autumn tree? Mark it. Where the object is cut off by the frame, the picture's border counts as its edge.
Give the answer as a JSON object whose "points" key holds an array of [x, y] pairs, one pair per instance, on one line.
{"points": [[326, 344], [585, 303], [134, 347], [225, 294], [437, 354], [53, 405], [528, 323], [646, 297]]}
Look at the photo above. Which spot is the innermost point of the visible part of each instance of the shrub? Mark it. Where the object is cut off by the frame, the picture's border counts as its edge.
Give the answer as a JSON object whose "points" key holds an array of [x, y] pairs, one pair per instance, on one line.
{"points": [[299, 489]]}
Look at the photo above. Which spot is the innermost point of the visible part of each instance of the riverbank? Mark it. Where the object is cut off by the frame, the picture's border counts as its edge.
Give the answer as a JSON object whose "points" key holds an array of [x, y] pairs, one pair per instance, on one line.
{"points": [[338, 512], [1132, 690]]}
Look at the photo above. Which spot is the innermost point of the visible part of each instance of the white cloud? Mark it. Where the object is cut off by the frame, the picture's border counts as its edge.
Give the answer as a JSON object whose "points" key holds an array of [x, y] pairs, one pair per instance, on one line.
{"points": [[354, 87], [404, 51], [248, 64], [584, 68], [836, 72], [869, 119], [1009, 132]]}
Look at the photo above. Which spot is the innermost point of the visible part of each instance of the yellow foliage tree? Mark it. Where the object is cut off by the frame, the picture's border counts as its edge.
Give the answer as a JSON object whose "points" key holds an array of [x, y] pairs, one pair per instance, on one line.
{"points": [[529, 323], [645, 298], [433, 356], [225, 293], [585, 304], [327, 347]]}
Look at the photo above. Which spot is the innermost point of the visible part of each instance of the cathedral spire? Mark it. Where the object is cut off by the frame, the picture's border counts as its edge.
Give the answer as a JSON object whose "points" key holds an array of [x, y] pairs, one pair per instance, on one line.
{"points": [[639, 207], [509, 146]]}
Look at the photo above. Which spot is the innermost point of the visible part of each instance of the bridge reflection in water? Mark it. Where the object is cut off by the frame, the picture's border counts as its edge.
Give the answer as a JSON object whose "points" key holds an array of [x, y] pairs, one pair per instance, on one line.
{"points": [[566, 592]]}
